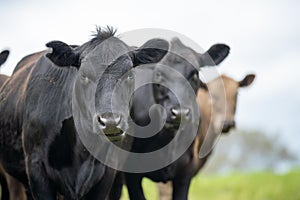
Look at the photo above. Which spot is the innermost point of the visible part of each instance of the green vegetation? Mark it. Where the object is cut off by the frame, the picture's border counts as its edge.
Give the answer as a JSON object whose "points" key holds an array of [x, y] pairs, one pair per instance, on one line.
{"points": [[238, 186]]}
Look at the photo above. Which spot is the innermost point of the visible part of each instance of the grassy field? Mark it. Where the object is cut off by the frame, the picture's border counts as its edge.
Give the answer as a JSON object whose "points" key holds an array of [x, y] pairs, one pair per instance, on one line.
{"points": [[237, 186]]}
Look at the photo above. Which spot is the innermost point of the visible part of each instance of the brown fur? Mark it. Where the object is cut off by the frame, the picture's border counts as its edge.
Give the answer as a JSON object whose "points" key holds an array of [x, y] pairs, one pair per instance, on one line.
{"points": [[214, 105]]}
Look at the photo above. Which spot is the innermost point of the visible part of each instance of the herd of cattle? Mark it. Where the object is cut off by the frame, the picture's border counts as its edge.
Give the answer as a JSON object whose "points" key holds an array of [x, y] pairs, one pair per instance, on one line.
{"points": [[41, 153]]}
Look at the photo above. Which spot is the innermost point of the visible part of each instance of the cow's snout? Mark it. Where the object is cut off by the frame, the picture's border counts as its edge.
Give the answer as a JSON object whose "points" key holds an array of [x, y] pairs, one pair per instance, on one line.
{"points": [[227, 126], [110, 124], [179, 114], [109, 120]]}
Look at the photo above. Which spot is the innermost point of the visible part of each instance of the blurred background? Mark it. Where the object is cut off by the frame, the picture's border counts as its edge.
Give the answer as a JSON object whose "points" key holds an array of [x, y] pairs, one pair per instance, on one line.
{"points": [[264, 37]]}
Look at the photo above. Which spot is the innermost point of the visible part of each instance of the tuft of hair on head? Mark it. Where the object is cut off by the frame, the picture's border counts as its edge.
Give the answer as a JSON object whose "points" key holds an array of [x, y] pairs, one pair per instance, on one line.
{"points": [[103, 33]]}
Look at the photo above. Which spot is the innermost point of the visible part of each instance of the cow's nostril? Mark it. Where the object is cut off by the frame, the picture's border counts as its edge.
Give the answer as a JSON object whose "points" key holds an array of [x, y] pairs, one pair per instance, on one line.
{"points": [[117, 118], [180, 112], [175, 112], [110, 125], [227, 126], [101, 121], [109, 120], [186, 112], [233, 124]]}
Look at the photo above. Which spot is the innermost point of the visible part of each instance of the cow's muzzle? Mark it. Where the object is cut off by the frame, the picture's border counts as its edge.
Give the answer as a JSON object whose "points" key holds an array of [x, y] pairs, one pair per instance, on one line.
{"points": [[178, 115], [110, 124], [228, 125]]}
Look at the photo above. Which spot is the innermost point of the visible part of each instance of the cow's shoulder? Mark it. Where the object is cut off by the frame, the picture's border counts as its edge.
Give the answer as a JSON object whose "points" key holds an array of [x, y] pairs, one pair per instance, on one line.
{"points": [[48, 96]]}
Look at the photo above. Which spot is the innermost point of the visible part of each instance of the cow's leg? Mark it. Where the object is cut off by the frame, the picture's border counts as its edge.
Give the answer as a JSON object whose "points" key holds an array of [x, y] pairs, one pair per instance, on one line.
{"points": [[28, 193], [101, 190], [116, 190], [181, 187], [134, 185], [165, 190], [16, 188], [40, 186], [4, 187]]}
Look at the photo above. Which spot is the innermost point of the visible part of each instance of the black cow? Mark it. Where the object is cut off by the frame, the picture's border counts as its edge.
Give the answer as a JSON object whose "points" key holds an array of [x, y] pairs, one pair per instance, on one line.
{"points": [[4, 186], [47, 104], [215, 119], [186, 62], [10, 187]]}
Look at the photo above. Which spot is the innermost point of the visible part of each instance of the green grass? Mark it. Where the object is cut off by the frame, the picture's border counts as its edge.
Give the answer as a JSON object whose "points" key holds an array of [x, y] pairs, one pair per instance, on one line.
{"points": [[150, 189], [238, 186]]}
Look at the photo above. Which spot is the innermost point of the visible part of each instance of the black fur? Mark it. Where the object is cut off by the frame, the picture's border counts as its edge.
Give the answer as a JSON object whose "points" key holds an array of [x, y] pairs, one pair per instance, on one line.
{"points": [[3, 56], [37, 118], [187, 62]]}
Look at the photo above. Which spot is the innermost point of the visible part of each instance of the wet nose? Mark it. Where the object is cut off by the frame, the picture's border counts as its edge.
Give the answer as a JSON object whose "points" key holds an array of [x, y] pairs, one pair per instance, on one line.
{"points": [[179, 113], [227, 126], [109, 123], [109, 120]]}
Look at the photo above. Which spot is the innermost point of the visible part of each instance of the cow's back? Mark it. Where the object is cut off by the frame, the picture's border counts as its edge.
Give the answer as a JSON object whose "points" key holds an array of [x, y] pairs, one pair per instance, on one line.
{"points": [[28, 60], [3, 78], [12, 94], [11, 100]]}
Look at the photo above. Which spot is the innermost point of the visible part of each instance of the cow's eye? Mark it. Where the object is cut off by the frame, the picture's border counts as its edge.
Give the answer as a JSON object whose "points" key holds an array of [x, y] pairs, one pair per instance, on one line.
{"points": [[161, 91], [130, 75], [84, 78], [194, 80], [160, 87], [158, 77], [195, 76]]}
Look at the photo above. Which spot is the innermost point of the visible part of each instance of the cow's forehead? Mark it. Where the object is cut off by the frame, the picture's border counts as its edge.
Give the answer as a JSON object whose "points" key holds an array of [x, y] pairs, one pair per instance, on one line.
{"points": [[223, 83], [103, 59], [179, 52], [181, 64], [229, 82], [106, 52]]}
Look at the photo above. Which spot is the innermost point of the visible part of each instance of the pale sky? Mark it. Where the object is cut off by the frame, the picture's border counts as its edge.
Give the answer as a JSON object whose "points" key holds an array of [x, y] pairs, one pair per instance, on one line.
{"points": [[264, 37]]}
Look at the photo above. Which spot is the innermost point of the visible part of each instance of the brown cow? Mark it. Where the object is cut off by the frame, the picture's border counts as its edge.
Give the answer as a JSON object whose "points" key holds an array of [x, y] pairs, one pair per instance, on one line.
{"points": [[218, 101]]}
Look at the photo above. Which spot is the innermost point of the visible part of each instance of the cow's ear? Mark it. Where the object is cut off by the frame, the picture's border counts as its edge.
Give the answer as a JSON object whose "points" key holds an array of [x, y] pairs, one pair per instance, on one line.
{"points": [[3, 56], [247, 80], [214, 55], [150, 52], [63, 55]]}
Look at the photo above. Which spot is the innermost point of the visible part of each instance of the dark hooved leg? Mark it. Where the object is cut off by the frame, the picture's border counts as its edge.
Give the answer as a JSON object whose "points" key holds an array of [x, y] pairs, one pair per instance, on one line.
{"points": [[134, 185], [28, 194], [116, 190], [181, 187], [102, 189], [4, 187]]}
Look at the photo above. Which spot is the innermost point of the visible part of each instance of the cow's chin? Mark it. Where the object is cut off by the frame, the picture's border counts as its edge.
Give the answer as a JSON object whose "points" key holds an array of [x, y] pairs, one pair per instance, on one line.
{"points": [[225, 131], [115, 137], [171, 126], [112, 136]]}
